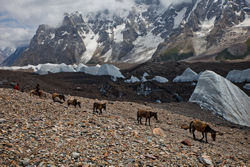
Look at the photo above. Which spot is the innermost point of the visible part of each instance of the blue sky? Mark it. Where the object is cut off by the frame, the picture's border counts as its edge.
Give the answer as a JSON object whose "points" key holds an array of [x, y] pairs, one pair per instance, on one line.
{"points": [[19, 19]]}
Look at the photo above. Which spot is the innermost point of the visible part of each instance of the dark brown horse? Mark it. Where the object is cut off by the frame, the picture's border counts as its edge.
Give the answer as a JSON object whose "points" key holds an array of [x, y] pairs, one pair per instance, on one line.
{"points": [[56, 95], [74, 102], [202, 127], [145, 114], [99, 106]]}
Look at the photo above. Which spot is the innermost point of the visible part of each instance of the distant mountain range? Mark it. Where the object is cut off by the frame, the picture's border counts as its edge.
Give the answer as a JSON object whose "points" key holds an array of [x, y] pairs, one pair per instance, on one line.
{"points": [[5, 52], [203, 29], [10, 60]]}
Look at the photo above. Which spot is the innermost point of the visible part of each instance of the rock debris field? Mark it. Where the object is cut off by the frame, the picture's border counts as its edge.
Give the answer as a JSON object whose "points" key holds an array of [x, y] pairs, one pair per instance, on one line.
{"points": [[38, 132]]}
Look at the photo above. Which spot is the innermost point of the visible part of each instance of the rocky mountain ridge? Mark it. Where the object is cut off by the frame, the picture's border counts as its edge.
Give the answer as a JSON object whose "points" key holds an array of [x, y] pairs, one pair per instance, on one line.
{"points": [[149, 31]]}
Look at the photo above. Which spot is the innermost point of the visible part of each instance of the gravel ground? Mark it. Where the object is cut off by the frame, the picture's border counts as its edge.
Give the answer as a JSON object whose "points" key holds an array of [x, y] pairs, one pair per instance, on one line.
{"points": [[38, 132]]}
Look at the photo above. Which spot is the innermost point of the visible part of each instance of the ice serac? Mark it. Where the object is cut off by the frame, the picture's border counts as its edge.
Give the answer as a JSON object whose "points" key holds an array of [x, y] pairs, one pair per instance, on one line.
{"points": [[187, 76], [133, 79], [109, 69], [160, 79], [239, 76], [222, 97], [43, 69]]}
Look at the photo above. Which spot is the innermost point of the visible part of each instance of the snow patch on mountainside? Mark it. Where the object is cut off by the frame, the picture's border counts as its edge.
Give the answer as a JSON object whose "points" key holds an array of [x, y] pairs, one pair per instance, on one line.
{"points": [[52, 35], [144, 48], [245, 23], [118, 35], [107, 55], [90, 41], [199, 39], [222, 97], [178, 19], [206, 27]]}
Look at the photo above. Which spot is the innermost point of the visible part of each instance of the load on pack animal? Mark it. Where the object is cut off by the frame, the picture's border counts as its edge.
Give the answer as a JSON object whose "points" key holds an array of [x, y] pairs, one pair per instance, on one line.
{"points": [[37, 93], [146, 114], [99, 106], [202, 127], [74, 102], [55, 97]]}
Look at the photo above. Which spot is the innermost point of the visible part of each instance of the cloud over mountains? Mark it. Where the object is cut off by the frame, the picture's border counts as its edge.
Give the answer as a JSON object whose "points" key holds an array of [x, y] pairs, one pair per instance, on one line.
{"points": [[19, 19]]}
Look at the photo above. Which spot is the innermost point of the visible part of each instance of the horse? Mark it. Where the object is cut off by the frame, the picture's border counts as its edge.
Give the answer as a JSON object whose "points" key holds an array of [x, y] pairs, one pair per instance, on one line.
{"points": [[146, 114], [99, 106], [39, 93], [55, 97], [202, 127], [74, 102]]}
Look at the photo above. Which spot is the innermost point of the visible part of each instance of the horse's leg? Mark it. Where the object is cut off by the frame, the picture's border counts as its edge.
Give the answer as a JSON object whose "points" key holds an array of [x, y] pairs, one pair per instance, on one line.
{"points": [[206, 136], [202, 136], [193, 130], [149, 121]]}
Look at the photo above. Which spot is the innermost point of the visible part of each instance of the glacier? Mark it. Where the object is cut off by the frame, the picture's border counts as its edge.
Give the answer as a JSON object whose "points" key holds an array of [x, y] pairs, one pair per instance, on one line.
{"points": [[219, 95]]}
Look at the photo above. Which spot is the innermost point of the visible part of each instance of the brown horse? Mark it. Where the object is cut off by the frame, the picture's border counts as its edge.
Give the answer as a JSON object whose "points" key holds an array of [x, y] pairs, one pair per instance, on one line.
{"points": [[74, 102], [56, 95], [99, 106], [202, 127], [145, 114], [40, 93]]}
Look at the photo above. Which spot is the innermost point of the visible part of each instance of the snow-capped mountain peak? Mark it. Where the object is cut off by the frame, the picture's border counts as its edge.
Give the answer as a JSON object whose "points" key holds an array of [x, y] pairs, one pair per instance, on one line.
{"points": [[147, 31]]}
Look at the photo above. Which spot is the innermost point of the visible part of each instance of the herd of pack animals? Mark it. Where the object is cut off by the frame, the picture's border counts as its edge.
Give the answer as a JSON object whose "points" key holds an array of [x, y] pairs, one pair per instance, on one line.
{"points": [[198, 125]]}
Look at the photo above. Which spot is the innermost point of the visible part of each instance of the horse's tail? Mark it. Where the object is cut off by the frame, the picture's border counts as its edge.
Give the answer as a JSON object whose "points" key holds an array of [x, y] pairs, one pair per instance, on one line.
{"points": [[190, 126]]}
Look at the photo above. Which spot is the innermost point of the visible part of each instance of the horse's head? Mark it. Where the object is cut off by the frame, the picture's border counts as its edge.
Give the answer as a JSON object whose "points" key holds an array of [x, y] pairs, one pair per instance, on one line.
{"points": [[154, 114], [104, 106], [62, 97], [79, 104], [213, 135]]}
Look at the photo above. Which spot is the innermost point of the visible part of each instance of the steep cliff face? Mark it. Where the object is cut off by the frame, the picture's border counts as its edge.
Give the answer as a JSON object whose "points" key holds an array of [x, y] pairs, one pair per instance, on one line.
{"points": [[148, 31]]}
